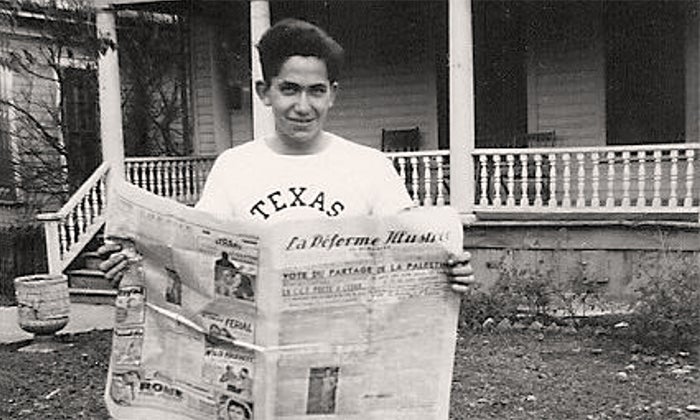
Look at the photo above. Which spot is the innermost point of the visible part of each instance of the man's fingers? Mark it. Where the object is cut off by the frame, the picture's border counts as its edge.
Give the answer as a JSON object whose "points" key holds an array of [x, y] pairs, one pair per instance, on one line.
{"points": [[112, 261], [109, 247], [116, 270], [459, 260], [460, 288], [116, 279]]}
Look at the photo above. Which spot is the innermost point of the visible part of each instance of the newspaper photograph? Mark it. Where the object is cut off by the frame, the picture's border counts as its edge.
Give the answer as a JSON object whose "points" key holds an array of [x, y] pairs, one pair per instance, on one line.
{"points": [[343, 319]]}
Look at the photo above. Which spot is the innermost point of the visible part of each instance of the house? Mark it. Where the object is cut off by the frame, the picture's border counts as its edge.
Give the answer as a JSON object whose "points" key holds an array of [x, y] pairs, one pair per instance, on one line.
{"points": [[564, 130], [47, 107]]}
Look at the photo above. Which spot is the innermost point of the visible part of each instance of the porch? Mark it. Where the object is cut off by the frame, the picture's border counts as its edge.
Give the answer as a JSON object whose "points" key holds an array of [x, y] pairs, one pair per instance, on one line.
{"points": [[652, 183], [581, 177]]}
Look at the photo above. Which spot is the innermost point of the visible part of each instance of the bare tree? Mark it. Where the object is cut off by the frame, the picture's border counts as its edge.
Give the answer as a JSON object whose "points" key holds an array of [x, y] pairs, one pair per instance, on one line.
{"points": [[48, 116], [43, 42]]}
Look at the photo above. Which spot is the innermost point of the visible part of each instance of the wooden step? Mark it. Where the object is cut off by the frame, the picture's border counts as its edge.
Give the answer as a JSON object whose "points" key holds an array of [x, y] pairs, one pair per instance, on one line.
{"points": [[90, 286], [88, 279], [92, 296]]}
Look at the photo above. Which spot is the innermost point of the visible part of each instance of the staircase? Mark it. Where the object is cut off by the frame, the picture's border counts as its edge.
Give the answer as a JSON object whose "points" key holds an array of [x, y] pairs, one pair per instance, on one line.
{"points": [[73, 229], [74, 233]]}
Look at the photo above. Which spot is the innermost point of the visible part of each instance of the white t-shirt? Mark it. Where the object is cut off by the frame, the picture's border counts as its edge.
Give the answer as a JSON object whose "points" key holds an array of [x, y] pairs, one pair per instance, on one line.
{"points": [[253, 182]]}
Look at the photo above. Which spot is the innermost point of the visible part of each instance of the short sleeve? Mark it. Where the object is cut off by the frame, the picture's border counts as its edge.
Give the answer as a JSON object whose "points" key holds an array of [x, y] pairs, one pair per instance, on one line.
{"points": [[214, 198], [390, 194]]}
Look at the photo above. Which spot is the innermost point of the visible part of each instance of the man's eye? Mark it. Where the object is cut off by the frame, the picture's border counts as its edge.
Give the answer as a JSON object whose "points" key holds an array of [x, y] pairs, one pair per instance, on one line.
{"points": [[318, 90], [288, 90]]}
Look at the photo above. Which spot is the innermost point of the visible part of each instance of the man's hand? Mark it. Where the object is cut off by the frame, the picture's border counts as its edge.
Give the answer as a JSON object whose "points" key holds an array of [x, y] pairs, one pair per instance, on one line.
{"points": [[460, 272], [116, 264]]}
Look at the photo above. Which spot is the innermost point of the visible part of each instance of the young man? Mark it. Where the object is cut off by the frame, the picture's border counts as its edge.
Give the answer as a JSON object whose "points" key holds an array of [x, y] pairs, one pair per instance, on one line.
{"points": [[301, 172]]}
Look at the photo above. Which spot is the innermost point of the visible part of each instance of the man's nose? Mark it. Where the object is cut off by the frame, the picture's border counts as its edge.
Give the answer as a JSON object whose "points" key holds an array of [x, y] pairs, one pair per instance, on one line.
{"points": [[302, 104]]}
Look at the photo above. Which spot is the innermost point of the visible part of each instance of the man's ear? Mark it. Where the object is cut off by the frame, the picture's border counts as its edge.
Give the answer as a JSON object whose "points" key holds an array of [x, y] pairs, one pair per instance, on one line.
{"points": [[261, 88], [334, 92]]}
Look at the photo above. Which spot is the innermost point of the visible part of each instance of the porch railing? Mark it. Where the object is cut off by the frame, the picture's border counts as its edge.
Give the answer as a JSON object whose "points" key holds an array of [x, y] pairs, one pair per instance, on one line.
{"points": [[650, 178], [179, 178], [425, 175]]}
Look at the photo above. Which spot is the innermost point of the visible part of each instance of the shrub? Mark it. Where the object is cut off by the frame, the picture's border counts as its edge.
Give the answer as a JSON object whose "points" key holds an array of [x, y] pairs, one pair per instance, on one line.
{"points": [[667, 311], [578, 293], [520, 290]]}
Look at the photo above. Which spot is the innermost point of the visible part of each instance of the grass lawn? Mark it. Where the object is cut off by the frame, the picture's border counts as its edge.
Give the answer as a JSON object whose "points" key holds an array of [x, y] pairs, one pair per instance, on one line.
{"points": [[512, 375]]}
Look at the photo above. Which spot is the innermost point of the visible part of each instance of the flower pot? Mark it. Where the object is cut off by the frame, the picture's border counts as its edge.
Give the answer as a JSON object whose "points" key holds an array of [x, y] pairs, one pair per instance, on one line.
{"points": [[43, 304]]}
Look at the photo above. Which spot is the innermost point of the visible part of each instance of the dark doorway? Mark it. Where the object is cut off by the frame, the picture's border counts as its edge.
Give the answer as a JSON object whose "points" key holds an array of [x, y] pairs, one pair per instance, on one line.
{"points": [[645, 82]]}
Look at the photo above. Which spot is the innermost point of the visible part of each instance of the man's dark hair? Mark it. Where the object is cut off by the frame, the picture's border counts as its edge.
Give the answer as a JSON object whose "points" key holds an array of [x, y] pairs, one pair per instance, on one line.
{"points": [[290, 37]]}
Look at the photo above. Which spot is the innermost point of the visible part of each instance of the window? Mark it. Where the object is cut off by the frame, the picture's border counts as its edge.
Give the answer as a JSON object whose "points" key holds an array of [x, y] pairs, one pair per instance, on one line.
{"points": [[8, 187], [80, 127]]}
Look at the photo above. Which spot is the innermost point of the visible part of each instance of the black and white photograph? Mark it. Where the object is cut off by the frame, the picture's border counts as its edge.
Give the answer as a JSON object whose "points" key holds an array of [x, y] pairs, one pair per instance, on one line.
{"points": [[535, 163]]}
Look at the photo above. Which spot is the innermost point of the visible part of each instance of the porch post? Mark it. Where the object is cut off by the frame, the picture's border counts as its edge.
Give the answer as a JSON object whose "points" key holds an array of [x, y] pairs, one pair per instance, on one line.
{"points": [[109, 93], [461, 105], [263, 123]]}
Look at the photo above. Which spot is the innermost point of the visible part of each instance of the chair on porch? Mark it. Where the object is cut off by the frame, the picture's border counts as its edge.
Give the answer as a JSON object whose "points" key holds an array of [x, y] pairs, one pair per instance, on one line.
{"points": [[402, 140], [405, 140]]}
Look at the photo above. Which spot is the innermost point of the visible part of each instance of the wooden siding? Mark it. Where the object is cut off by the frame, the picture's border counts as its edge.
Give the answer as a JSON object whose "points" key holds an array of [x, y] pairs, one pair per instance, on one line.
{"points": [[566, 76], [202, 86], [692, 77], [376, 90], [374, 97]]}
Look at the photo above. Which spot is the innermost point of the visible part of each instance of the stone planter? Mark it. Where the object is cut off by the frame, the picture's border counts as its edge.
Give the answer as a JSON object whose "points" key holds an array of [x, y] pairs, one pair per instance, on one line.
{"points": [[43, 304]]}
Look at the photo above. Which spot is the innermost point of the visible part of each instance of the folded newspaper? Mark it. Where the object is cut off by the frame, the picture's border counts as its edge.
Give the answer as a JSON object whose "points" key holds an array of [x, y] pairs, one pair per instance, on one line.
{"points": [[332, 319]]}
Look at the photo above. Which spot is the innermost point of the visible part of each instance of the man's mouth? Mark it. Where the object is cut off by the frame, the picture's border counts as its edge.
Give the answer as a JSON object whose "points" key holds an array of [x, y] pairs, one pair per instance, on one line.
{"points": [[300, 121]]}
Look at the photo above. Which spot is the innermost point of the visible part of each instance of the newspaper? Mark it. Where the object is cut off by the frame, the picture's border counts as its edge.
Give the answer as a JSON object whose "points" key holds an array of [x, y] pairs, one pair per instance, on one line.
{"points": [[344, 319]]}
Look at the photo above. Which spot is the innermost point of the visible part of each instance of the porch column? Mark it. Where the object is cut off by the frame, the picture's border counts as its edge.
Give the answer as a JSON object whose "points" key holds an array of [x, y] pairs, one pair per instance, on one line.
{"points": [[263, 123], [461, 105], [109, 92]]}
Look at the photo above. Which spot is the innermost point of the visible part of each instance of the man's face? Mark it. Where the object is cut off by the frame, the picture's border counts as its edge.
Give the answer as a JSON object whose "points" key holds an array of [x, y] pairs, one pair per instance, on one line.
{"points": [[300, 97]]}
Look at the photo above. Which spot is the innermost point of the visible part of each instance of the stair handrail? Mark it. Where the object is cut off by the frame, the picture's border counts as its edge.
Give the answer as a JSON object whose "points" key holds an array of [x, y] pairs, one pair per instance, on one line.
{"points": [[70, 228]]}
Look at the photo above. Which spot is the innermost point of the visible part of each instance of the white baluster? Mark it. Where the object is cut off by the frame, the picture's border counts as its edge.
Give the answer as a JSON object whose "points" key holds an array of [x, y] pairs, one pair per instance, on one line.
{"points": [[656, 200], [402, 170], [625, 179], [524, 201], [87, 206], [62, 237], [181, 181], [94, 210], [610, 200], [103, 194], [427, 182], [187, 185], [151, 177], [566, 199], [70, 226], [414, 180], [595, 179], [641, 179], [689, 174], [510, 180], [80, 218], [167, 178], [440, 200], [128, 172], [136, 169], [483, 180], [581, 175], [497, 180], [552, 180], [538, 180], [673, 196], [201, 177]]}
